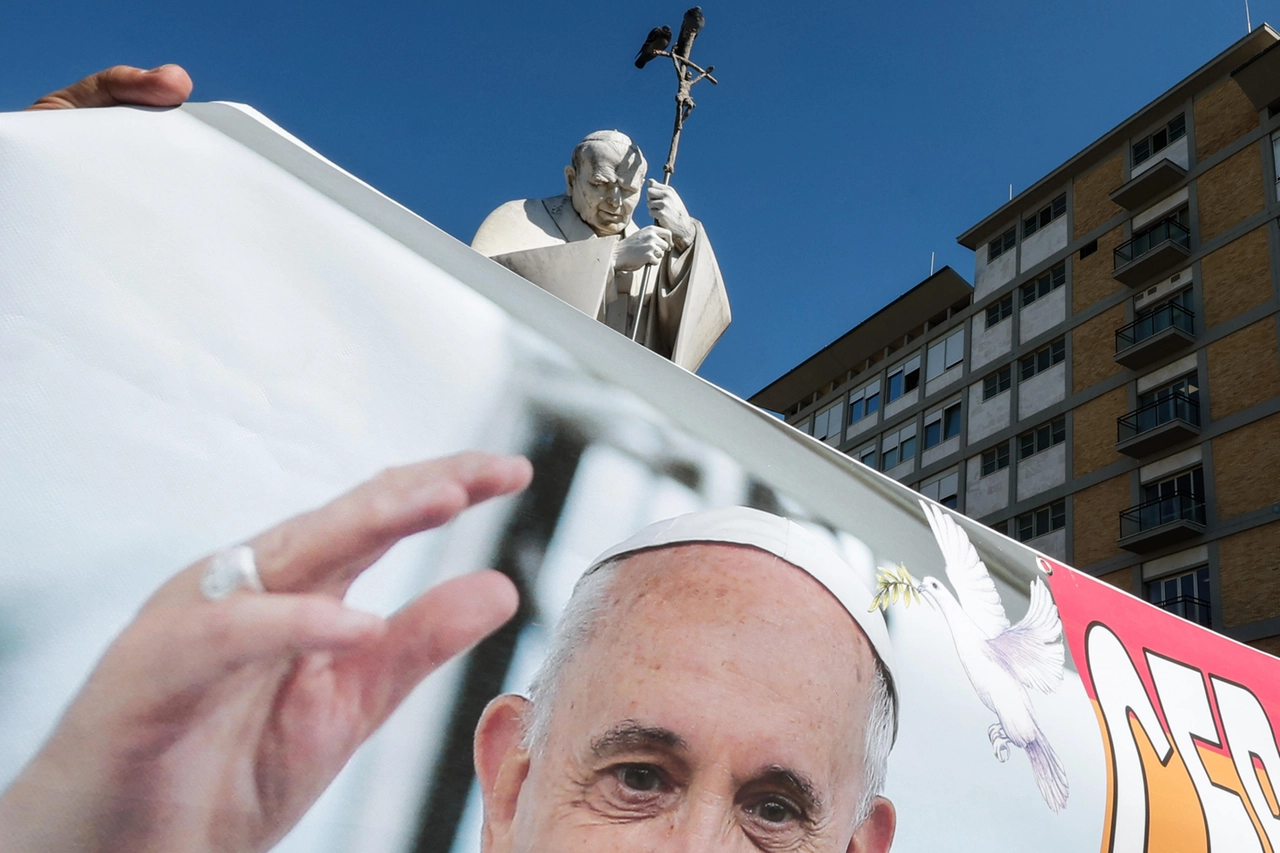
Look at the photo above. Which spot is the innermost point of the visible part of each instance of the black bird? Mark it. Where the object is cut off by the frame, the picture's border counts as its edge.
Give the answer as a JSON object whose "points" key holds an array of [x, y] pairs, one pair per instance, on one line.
{"points": [[659, 38], [693, 22]]}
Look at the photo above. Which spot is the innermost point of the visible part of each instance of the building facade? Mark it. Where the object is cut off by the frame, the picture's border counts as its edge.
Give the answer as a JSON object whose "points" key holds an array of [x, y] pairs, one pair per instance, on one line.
{"points": [[1108, 390]]}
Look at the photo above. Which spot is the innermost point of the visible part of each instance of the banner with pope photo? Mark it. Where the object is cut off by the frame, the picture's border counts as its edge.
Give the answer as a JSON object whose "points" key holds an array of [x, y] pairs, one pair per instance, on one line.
{"points": [[205, 327]]}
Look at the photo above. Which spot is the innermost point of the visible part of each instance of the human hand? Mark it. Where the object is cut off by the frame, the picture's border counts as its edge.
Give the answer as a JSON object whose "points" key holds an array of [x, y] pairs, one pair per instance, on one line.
{"points": [[668, 210], [213, 725], [166, 86], [649, 245]]}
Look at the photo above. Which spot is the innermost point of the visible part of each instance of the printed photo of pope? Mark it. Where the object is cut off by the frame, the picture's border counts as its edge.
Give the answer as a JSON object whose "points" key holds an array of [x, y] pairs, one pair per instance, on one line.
{"points": [[717, 682]]}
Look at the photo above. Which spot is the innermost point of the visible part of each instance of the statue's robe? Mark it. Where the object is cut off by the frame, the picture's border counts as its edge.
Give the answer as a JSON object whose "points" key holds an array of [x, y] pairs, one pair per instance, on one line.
{"points": [[686, 308]]}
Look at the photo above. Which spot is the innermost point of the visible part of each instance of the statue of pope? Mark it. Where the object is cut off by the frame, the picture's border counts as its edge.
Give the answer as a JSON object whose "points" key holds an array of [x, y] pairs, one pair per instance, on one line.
{"points": [[584, 247]]}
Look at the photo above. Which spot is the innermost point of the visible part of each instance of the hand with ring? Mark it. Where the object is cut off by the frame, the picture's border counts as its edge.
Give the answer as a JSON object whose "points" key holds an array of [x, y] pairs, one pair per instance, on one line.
{"points": [[220, 714]]}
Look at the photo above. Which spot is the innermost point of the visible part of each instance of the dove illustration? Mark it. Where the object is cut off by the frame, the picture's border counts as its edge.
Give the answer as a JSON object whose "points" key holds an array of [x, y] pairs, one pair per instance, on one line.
{"points": [[1001, 660]]}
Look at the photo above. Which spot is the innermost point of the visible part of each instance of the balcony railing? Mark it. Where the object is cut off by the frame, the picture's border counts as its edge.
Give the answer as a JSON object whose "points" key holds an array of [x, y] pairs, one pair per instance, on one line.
{"points": [[1151, 251], [1158, 426], [1159, 333], [1169, 316], [1188, 607], [1158, 522]]}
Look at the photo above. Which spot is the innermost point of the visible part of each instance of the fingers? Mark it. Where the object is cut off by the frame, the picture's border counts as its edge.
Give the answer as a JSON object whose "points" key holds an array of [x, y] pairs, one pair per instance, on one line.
{"points": [[165, 86], [171, 651], [435, 627], [326, 549]]}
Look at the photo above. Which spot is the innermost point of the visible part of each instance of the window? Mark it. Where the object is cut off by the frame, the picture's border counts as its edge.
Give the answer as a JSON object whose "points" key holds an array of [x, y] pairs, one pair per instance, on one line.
{"points": [[1001, 310], [1187, 595], [1187, 484], [1088, 249], [806, 426], [1040, 521], [1043, 285], [905, 379], [1174, 227], [1171, 132], [1042, 359], [942, 425], [1174, 311], [998, 382], [1050, 212], [1179, 400], [1001, 244], [868, 456], [945, 354], [945, 489], [898, 447], [995, 459], [827, 424], [865, 401], [1173, 499], [1042, 437]]}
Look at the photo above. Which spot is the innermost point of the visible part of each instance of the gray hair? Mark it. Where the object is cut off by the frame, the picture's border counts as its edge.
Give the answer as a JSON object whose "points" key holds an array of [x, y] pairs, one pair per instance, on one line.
{"points": [[588, 605], [628, 152]]}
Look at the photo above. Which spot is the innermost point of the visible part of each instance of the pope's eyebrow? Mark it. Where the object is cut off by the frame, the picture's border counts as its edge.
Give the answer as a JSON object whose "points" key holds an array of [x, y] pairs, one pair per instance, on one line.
{"points": [[797, 784], [629, 736]]}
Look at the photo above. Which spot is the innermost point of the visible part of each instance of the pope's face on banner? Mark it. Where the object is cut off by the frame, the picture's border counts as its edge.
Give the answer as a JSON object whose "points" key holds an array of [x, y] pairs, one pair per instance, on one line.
{"points": [[605, 186], [719, 703]]}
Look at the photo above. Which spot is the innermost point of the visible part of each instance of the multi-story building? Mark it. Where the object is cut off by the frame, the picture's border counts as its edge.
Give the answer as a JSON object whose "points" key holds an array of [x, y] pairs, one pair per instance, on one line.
{"points": [[1108, 390]]}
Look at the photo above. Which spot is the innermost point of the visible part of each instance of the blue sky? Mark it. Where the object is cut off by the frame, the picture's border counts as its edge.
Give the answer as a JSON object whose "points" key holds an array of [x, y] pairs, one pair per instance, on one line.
{"points": [[844, 144]]}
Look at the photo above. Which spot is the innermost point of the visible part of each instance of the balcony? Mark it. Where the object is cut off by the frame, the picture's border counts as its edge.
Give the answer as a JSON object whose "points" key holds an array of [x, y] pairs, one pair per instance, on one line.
{"points": [[1156, 249], [1161, 522], [1189, 607], [1155, 181], [1153, 336], [1158, 425]]}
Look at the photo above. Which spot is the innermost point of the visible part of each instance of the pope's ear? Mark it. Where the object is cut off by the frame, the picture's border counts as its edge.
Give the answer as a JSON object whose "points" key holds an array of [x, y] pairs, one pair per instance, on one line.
{"points": [[569, 175], [502, 763], [875, 833]]}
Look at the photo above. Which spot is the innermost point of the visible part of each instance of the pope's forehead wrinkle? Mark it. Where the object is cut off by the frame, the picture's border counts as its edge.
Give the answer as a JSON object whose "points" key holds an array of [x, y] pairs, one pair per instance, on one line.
{"points": [[631, 735]]}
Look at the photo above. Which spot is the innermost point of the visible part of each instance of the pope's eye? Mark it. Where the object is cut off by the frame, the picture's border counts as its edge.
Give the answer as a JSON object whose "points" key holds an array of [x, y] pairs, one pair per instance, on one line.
{"points": [[774, 811], [639, 777]]}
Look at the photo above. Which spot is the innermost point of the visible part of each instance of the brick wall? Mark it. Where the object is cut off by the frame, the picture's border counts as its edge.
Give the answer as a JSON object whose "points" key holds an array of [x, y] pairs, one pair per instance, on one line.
{"points": [[1093, 347], [1244, 369], [1246, 468], [1091, 278], [1096, 519], [1249, 571], [1236, 277], [1231, 192], [1270, 645], [1222, 115], [1093, 433], [1093, 204], [1122, 579]]}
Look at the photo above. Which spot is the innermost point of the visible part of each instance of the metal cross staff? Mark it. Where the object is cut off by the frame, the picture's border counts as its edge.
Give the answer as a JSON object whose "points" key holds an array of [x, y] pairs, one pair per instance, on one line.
{"points": [[687, 74]]}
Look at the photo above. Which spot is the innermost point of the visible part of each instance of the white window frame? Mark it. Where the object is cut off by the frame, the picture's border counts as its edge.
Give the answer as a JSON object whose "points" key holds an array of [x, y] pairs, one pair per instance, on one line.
{"points": [[871, 389], [835, 412], [938, 416], [945, 354], [892, 441], [942, 486], [902, 370]]}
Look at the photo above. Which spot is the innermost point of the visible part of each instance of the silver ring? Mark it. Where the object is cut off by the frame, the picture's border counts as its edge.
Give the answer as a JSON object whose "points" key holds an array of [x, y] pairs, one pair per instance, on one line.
{"points": [[229, 570]]}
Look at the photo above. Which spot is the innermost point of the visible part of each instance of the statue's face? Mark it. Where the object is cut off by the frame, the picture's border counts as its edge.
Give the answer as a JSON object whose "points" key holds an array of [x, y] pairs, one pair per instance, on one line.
{"points": [[606, 188]]}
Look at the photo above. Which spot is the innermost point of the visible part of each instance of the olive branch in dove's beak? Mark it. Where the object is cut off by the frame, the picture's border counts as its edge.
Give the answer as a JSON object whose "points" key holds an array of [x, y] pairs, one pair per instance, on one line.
{"points": [[892, 583]]}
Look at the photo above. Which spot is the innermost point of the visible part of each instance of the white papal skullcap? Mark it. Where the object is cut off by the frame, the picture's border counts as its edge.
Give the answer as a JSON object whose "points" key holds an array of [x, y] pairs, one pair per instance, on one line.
{"points": [[740, 525]]}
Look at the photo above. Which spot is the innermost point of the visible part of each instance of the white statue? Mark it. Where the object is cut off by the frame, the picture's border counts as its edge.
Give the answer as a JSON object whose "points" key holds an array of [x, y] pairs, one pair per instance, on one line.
{"points": [[584, 247]]}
